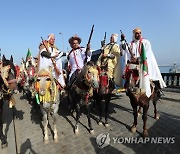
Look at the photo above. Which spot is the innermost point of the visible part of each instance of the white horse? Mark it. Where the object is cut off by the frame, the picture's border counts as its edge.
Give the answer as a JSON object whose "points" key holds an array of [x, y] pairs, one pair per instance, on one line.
{"points": [[48, 98]]}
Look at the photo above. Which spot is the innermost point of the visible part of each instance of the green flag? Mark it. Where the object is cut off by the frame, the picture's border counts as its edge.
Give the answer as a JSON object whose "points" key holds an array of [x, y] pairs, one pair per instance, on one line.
{"points": [[144, 60], [28, 54]]}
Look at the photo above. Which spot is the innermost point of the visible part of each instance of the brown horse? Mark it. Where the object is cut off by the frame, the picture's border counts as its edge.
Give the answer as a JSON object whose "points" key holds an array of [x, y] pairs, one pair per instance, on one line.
{"points": [[7, 86], [138, 96], [81, 91], [48, 99], [103, 95]]}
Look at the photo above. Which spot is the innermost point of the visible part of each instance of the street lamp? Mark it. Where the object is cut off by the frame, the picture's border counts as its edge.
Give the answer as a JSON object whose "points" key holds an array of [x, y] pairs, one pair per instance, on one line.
{"points": [[62, 40]]}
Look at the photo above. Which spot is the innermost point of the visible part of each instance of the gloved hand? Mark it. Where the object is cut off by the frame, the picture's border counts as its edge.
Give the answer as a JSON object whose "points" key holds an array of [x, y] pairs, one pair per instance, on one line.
{"points": [[102, 43], [122, 37], [111, 56]]}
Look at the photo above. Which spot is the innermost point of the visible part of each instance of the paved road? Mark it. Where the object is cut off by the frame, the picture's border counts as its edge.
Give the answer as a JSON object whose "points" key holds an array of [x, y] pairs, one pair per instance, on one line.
{"points": [[29, 135]]}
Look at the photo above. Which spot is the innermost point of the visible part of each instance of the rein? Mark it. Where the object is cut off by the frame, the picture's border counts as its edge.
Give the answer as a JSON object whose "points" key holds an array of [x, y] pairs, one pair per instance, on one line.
{"points": [[83, 88], [6, 92]]}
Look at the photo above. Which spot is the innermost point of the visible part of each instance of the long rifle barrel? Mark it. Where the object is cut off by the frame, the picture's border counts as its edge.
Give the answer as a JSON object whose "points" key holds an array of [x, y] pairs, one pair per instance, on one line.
{"points": [[89, 40]]}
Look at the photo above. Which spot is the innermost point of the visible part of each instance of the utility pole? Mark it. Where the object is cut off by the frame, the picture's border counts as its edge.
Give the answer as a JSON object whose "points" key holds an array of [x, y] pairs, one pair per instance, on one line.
{"points": [[62, 41]]}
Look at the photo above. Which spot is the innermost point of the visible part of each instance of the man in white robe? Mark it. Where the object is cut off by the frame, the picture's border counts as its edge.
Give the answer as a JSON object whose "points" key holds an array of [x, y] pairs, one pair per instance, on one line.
{"points": [[153, 69], [55, 54]]}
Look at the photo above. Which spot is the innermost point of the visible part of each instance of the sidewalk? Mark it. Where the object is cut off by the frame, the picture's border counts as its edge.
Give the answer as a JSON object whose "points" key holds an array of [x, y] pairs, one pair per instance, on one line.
{"points": [[8, 128]]}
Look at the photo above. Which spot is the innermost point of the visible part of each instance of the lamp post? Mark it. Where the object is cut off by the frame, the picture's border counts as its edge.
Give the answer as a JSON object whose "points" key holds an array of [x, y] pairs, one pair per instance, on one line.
{"points": [[62, 40]]}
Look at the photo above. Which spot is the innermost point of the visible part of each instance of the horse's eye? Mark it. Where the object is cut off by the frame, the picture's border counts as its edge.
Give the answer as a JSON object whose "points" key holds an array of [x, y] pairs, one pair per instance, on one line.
{"points": [[48, 79], [38, 79]]}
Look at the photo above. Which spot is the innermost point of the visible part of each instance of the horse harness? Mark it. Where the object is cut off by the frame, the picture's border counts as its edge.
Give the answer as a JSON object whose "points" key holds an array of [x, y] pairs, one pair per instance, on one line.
{"points": [[5, 90], [83, 89], [134, 70]]}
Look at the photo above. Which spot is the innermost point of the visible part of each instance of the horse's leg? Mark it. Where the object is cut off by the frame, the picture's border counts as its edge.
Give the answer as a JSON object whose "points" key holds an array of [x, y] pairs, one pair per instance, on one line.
{"points": [[139, 111], [77, 118], [155, 100], [133, 127], [100, 112], [144, 117], [55, 129], [91, 130], [45, 124], [107, 110], [2, 136], [56, 107]]}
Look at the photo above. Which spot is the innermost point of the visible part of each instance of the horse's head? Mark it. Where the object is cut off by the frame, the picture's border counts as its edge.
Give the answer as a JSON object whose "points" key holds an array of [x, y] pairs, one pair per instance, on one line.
{"points": [[132, 75], [91, 75], [9, 73], [43, 81]]}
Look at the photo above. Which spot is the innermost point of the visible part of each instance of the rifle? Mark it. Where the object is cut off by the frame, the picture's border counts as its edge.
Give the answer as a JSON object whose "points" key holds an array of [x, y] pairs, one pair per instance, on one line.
{"points": [[129, 49], [54, 63], [87, 48], [104, 41]]}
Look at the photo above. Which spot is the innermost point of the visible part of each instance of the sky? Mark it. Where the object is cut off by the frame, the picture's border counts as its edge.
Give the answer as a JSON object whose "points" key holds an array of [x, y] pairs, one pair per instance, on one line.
{"points": [[24, 22]]}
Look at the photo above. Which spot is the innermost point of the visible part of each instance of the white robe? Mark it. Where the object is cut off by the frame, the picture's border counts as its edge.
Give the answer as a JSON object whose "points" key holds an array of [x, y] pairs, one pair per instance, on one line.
{"points": [[76, 59], [154, 73], [46, 63]]}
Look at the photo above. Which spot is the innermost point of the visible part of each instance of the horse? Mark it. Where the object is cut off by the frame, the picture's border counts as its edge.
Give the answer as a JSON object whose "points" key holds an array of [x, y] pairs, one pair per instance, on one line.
{"points": [[47, 96], [8, 85], [103, 95], [81, 91], [29, 82], [138, 96]]}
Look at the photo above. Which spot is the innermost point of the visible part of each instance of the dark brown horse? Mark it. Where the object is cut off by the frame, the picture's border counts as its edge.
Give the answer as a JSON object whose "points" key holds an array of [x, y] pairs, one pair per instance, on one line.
{"points": [[138, 96], [7, 86], [103, 95], [81, 91]]}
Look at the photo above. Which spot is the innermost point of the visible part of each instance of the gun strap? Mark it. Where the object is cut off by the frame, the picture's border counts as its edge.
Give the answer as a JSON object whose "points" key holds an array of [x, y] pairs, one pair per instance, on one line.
{"points": [[109, 53]]}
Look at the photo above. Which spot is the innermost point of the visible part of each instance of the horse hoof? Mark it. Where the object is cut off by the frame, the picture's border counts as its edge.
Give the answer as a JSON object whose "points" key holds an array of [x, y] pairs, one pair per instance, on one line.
{"points": [[133, 129], [157, 117], [145, 133], [91, 131], [100, 123], [56, 140], [107, 125], [5, 145], [76, 131], [46, 141]]}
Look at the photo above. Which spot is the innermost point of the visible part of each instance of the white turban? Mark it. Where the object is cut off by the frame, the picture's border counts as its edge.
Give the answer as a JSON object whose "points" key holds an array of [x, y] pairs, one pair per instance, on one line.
{"points": [[115, 36], [51, 36]]}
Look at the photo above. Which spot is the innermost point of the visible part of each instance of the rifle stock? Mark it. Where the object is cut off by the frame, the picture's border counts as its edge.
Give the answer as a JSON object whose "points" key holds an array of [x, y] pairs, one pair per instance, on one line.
{"points": [[54, 63]]}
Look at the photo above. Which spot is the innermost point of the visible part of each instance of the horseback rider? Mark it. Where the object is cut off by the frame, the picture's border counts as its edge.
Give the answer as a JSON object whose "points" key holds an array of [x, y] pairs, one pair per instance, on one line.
{"points": [[109, 57], [134, 53], [76, 57], [52, 59]]}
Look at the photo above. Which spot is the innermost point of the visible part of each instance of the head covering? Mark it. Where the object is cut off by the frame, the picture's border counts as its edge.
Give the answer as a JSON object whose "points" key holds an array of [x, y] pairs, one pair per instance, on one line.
{"points": [[75, 37], [115, 36], [51, 36], [137, 30]]}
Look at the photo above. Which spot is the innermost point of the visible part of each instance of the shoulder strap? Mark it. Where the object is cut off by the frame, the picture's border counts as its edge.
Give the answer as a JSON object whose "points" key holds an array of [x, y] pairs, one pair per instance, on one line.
{"points": [[109, 52]]}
